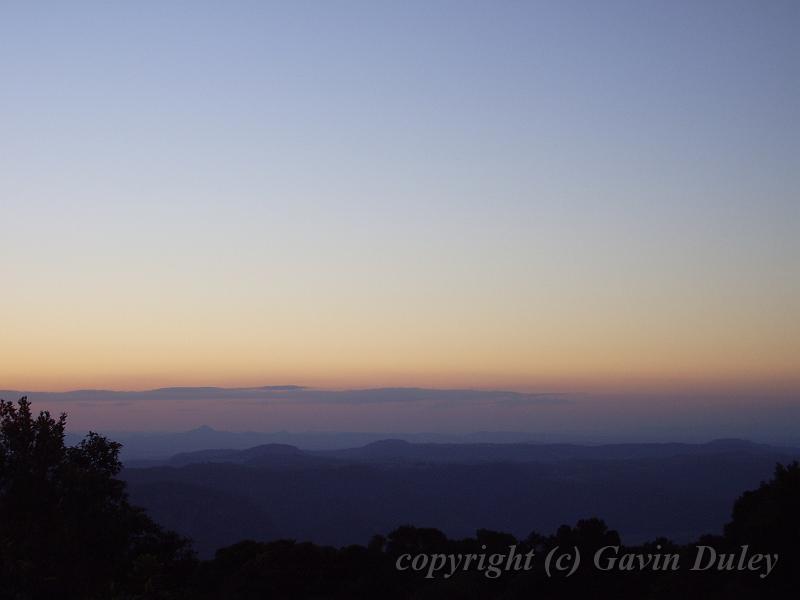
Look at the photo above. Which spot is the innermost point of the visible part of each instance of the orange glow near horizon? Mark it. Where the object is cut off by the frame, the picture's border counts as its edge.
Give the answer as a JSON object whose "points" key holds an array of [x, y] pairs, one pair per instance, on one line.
{"points": [[552, 367], [114, 333], [118, 336]]}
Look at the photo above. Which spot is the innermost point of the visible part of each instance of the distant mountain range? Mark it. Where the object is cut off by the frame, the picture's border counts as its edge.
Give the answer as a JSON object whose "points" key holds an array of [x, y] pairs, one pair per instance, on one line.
{"points": [[139, 446], [151, 423], [388, 451], [155, 445], [344, 496]]}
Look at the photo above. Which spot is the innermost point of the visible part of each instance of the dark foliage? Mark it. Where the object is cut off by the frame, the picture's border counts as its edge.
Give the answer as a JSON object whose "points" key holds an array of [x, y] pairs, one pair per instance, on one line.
{"points": [[66, 527], [765, 520]]}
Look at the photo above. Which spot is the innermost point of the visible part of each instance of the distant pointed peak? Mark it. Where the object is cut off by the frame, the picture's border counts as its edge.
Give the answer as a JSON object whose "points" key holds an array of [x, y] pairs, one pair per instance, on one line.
{"points": [[203, 429]]}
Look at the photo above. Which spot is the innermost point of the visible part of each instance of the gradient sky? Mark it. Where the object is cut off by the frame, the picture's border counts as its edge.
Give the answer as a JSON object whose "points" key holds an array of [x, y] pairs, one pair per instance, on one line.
{"points": [[559, 196]]}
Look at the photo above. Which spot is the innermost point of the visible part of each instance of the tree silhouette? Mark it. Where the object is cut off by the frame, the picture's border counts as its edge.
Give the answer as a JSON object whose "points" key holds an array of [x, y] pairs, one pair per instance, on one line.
{"points": [[67, 529], [768, 518]]}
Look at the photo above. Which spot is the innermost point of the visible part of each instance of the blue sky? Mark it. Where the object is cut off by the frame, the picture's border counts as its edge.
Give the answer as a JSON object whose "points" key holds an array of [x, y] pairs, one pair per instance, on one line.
{"points": [[560, 195]]}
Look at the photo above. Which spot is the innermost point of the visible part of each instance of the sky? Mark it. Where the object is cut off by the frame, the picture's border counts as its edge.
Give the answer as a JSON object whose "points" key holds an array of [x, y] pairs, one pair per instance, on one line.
{"points": [[565, 197]]}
